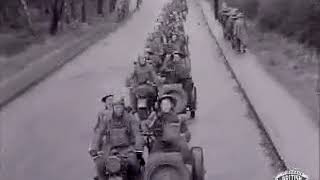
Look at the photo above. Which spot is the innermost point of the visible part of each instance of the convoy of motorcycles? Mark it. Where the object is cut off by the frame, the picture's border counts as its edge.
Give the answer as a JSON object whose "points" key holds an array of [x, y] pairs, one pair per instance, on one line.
{"points": [[234, 27], [167, 52]]}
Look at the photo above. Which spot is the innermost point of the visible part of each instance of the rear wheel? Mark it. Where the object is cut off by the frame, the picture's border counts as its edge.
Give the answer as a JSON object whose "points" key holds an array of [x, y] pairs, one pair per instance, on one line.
{"points": [[197, 163], [194, 103]]}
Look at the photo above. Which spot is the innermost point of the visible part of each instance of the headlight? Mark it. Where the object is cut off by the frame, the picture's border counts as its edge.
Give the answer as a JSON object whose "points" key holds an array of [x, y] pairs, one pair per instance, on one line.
{"points": [[113, 164]]}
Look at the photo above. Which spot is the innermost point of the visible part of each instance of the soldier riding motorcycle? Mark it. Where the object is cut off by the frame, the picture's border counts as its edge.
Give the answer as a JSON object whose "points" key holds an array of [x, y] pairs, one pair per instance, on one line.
{"points": [[143, 91], [120, 157], [178, 70]]}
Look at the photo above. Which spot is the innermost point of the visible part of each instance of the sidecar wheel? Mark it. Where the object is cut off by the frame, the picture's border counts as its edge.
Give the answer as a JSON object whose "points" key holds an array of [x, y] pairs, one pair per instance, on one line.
{"points": [[197, 163], [159, 165]]}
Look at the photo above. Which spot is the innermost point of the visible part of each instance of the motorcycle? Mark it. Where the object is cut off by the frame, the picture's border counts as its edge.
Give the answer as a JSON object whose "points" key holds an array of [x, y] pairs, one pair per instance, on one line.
{"points": [[170, 164], [171, 87], [116, 166]]}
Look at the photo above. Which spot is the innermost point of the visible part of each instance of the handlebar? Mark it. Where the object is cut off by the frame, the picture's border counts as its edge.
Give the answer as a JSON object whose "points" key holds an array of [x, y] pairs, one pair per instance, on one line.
{"points": [[101, 153], [147, 134]]}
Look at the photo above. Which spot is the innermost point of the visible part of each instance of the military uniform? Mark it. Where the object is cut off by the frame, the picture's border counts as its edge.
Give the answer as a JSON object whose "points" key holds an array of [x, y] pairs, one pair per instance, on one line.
{"points": [[140, 76], [121, 134], [180, 73], [240, 34], [166, 140]]}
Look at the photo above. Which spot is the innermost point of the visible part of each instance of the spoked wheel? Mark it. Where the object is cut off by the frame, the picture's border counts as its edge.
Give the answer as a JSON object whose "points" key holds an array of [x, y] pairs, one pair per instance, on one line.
{"points": [[198, 171]]}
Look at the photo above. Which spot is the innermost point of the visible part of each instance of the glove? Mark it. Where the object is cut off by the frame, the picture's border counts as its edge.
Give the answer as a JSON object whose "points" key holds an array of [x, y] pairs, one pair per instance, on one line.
{"points": [[93, 152], [140, 158]]}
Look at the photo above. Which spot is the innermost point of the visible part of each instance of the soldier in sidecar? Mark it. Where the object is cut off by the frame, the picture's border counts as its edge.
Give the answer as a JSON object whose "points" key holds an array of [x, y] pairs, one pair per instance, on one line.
{"points": [[176, 69], [170, 148]]}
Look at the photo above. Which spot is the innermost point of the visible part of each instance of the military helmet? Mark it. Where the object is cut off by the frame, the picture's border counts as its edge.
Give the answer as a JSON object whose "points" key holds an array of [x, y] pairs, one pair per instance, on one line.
{"points": [[118, 100], [104, 98], [240, 15], [172, 99], [235, 16], [148, 50]]}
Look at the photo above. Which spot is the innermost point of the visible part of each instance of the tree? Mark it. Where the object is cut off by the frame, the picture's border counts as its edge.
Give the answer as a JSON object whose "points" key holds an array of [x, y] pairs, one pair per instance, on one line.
{"points": [[100, 7], [57, 10], [28, 16], [83, 11], [73, 9]]}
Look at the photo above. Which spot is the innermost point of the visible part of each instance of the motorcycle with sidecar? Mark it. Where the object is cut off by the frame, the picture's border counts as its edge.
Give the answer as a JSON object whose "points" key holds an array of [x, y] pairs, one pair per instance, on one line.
{"points": [[169, 164]]}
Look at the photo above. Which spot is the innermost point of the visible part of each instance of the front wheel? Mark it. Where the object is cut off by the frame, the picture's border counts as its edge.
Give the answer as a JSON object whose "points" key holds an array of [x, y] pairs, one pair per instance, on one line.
{"points": [[192, 114], [193, 103], [142, 113], [198, 171]]}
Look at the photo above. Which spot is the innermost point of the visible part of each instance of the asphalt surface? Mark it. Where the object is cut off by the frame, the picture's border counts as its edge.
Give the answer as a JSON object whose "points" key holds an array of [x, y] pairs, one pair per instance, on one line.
{"points": [[45, 133], [280, 112], [223, 128]]}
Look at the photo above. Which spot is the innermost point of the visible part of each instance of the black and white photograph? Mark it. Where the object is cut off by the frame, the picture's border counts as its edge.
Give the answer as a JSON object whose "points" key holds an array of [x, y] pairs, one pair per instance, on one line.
{"points": [[159, 89]]}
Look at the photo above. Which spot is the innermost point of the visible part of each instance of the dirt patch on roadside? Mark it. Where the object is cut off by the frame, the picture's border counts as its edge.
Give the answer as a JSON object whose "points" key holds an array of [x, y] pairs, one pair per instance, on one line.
{"points": [[291, 64], [20, 48]]}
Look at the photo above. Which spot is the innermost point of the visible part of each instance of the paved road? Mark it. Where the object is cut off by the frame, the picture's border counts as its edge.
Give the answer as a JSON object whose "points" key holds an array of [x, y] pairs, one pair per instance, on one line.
{"points": [[45, 133], [230, 138]]}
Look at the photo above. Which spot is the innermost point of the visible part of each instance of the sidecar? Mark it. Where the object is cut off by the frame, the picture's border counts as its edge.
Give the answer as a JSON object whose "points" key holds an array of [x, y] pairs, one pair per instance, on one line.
{"points": [[170, 166]]}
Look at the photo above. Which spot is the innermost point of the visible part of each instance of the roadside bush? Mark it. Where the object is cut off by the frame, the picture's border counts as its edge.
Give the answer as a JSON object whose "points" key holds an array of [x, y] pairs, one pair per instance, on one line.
{"points": [[272, 13], [296, 19], [249, 7]]}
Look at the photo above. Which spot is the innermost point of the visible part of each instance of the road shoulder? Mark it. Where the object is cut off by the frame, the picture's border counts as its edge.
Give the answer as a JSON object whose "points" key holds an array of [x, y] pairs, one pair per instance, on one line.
{"points": [[282, 119]]}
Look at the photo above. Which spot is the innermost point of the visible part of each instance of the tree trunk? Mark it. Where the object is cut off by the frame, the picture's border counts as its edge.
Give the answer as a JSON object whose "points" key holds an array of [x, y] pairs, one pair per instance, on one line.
{"points": [[216, 8], [112, 5], [66, 12], [57, 10], [6, 14], [73, 10], [28, 15], [1, 20], [54, 18], [100, 7], [83, 12]]}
